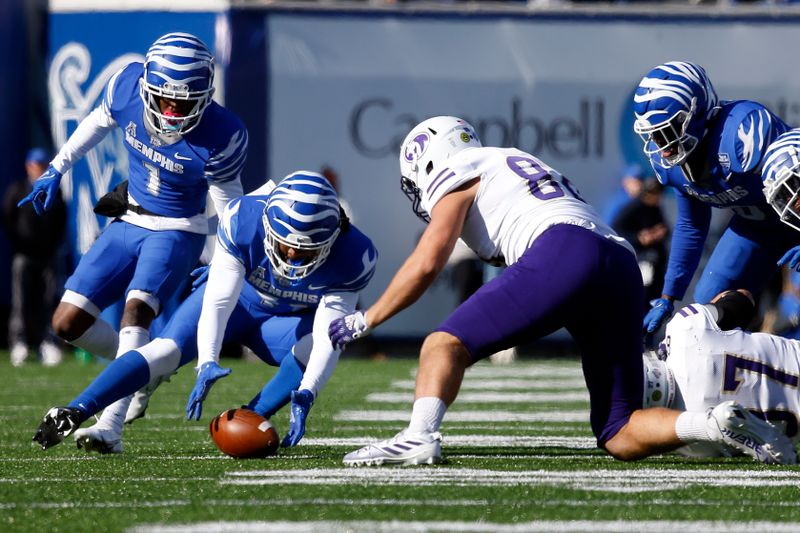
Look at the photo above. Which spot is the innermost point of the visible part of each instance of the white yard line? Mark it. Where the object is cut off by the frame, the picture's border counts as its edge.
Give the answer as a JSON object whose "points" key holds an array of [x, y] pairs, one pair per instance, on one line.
{"points": [[576, 384], [478, 441], [603, 480], [561, 526], [489, 397], [468, 416]]}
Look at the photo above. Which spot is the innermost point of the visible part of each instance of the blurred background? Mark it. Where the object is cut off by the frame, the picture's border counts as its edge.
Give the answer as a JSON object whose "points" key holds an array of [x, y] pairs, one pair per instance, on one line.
{"points": [[337, 85]]}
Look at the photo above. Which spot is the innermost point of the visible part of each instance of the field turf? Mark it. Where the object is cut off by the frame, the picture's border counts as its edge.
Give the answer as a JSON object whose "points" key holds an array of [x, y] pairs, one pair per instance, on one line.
{"points": [[520, 457]]}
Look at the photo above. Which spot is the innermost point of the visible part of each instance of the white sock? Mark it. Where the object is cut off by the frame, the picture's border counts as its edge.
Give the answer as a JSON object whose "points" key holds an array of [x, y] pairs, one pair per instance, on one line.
{"points": [[132, 337], [100, 339], [693, 427], [427, 415], [113, 417]]}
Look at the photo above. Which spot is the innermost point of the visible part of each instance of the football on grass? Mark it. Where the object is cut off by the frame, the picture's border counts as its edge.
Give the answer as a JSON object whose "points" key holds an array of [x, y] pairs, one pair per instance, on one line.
{"points": [[241, 433]]}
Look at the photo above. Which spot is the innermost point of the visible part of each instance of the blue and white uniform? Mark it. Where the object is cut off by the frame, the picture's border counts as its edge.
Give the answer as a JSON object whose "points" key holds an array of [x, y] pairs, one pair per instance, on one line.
{"points": [[283, 323], [149, 250], [727, 166]]}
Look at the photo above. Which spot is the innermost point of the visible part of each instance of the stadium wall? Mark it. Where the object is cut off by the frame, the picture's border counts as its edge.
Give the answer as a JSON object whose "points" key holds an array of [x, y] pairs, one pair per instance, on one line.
{"points": [[340, 87]]}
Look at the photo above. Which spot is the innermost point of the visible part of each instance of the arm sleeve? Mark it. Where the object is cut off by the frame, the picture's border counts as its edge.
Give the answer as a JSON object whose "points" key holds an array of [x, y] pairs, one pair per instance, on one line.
{"points": [[225, 281], [89, 132], [323, 358], [221, 194], [688, 238]]}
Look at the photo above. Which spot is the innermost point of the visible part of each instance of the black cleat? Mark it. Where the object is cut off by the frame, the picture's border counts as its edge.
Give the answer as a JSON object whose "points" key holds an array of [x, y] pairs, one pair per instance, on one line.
{"points": [[57, 424]]}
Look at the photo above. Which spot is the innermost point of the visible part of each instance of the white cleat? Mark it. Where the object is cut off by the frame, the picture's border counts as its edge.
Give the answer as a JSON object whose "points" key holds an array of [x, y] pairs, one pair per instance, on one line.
{"points": [[141, 399], [404, 449], [19, 354], [100, 440], [741, 430]]}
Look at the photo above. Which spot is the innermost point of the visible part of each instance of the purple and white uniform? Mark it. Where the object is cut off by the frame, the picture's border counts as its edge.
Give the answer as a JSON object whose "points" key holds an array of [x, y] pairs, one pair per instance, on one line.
{"points": [[757, 370], [566, 268]]}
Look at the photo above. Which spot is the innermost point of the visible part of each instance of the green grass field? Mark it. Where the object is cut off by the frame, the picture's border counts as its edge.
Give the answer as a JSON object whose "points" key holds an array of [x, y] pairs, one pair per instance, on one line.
{"points": [[520, 457]]}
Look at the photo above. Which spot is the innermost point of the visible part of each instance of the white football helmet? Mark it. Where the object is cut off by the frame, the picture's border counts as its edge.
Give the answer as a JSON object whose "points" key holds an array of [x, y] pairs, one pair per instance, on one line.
{"points": [[426, 148], [659, 384], [781, 176]]}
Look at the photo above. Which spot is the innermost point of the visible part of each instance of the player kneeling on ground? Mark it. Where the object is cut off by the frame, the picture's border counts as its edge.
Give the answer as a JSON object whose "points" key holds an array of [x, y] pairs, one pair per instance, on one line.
{"points": [[566, 268], [287, 263], [706, 358]]}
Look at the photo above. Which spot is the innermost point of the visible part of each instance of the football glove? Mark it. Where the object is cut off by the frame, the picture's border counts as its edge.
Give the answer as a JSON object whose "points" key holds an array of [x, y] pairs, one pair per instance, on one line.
{"points": [[208, 374], [45, 191], [199, 276], [661, 310], [791, 259], [302, 400], [348, 328]]}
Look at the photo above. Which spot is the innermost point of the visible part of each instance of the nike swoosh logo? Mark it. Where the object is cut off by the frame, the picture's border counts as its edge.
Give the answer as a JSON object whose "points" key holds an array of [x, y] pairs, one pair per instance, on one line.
{"points": [[316, 288], [179, 156]]}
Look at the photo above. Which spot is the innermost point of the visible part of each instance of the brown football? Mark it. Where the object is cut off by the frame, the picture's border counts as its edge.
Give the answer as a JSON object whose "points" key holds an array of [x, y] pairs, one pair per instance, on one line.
{"points": [[241, 433]]}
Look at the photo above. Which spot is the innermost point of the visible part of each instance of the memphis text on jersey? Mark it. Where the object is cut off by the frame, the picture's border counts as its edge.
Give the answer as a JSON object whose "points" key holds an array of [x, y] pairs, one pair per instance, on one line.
{"points": [[149, 152]]}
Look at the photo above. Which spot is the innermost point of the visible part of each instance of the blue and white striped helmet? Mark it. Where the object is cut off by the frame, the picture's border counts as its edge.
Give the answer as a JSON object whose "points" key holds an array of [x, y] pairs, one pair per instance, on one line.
{"points": [[780, 174], [178, 67], [302, 213], [672, 104]]}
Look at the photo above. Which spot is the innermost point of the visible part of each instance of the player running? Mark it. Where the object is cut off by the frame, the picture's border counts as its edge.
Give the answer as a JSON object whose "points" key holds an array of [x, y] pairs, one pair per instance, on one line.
{"points": [[181, 146]]}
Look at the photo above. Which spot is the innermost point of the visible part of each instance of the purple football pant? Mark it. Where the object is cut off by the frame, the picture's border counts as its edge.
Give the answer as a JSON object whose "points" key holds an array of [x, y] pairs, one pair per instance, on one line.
{"points": [[570, 277]]}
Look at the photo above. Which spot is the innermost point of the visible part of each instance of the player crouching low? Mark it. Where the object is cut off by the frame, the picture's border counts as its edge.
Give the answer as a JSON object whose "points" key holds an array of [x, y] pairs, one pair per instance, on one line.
{"points": [[708, 361], [287, 263]]}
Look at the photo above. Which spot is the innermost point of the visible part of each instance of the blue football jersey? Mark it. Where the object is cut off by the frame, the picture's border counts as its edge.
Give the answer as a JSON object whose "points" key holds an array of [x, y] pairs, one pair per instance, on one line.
{"points": [[727, 170], [172, 179], [348, 268], [730, 157]]}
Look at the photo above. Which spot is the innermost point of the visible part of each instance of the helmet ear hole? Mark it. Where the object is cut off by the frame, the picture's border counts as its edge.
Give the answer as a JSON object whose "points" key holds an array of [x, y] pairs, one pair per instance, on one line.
{"points": [[429, 167]]}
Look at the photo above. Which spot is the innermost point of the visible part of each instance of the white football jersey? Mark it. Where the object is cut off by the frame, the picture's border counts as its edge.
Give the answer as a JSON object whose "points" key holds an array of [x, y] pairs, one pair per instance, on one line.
{"points": [[519, 197], [758, 370]]}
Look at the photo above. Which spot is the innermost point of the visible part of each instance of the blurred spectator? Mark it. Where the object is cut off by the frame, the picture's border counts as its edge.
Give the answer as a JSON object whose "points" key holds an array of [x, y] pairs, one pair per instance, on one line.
{"points": [[35, 241], [631, 183], [641, 222]]}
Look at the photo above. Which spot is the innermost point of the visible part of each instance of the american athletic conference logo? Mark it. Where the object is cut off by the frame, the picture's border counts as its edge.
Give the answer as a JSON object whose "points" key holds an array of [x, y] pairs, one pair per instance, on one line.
{"points": [[416, 147], [73, 95]]}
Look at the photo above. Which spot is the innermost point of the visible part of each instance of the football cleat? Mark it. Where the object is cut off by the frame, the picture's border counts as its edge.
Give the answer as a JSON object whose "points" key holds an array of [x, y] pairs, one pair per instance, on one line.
{"points": [[404, 449], [141, 399], [739, 429], [97, 439], [56, 425]]}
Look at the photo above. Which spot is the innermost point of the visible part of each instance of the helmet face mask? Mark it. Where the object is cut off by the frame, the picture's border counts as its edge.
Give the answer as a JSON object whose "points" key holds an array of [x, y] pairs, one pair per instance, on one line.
{"points": [[424, 151], [781, 177], [672, 106], [303, 214], [178, 70]]}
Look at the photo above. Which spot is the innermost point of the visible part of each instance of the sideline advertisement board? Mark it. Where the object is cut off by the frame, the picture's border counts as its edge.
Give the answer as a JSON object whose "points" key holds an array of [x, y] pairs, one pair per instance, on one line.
{"points": [[345, 89]]}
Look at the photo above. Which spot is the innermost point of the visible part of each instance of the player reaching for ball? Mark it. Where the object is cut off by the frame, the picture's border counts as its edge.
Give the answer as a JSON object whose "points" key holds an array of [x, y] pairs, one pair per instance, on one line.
{"points": [[287, 263]]}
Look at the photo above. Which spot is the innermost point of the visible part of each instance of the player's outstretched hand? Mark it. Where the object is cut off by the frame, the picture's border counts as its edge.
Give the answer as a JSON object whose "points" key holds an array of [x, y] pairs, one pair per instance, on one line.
{"points": [[302, 400], [199, 276], [661, 309], [348, 328], [791, 259], [45, 191], [208, 374]]}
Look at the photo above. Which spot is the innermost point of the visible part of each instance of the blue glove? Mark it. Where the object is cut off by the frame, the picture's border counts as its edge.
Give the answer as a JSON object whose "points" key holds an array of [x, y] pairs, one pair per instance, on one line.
{"points": [[302, 400], [791, 259], [208, 374], [662, 309], [348, 328], [45, 191], [199, 276]]}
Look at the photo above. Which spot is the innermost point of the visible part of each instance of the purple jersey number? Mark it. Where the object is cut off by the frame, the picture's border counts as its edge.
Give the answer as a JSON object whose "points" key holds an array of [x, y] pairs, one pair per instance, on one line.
{"points": [[542, 185], [731, 384]]}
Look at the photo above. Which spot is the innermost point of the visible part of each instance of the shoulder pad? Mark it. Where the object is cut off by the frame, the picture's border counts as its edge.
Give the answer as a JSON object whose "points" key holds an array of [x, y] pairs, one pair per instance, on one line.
{"points": [[747, 131]]}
